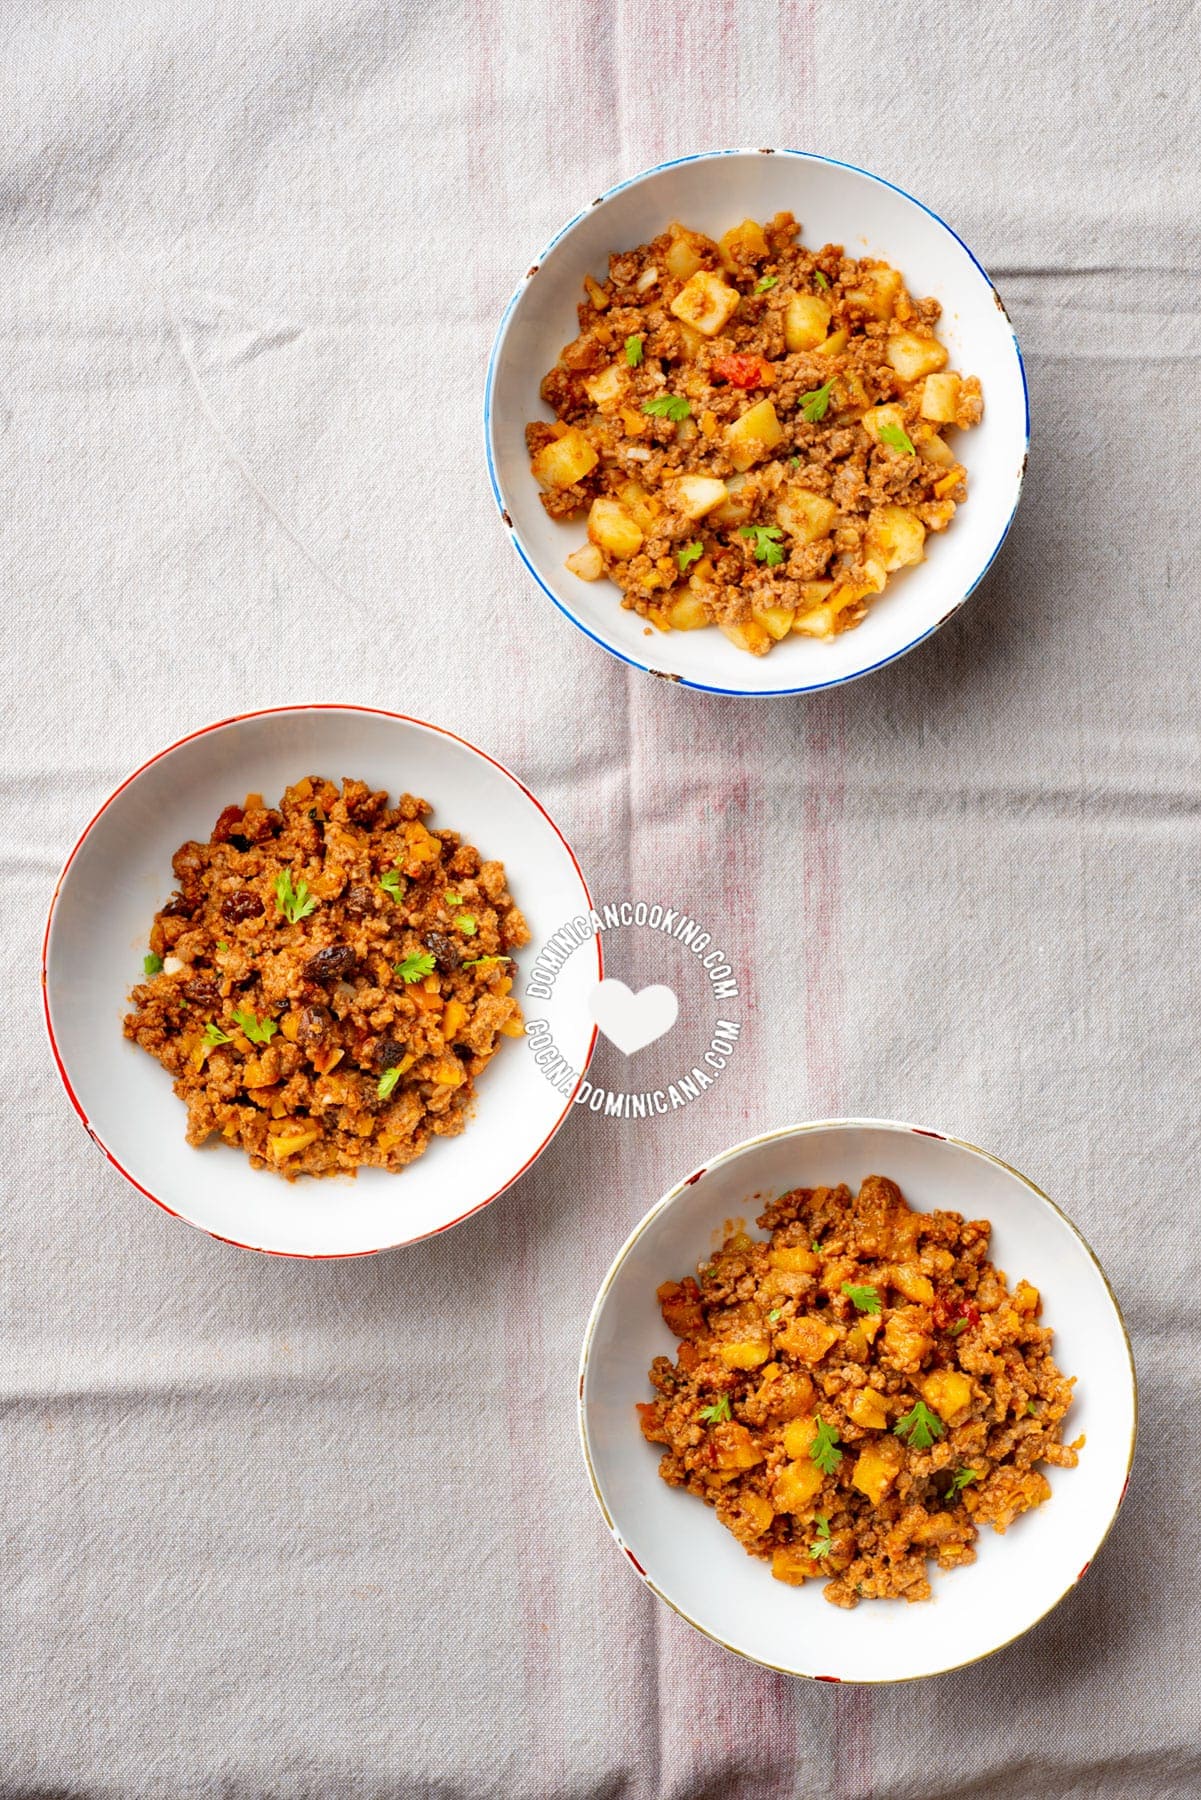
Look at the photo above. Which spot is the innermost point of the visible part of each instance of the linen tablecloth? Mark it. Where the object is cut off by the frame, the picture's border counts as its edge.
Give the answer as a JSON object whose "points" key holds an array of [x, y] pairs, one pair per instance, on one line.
{"points": [[261, 1541]]}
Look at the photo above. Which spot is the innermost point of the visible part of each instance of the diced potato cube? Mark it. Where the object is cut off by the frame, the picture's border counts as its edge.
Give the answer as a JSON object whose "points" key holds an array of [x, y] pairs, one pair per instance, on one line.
{"points": [[696, 495], [907, 1278], [808, 1338], [565, 461], [753, 1515], [867, 1408], [688, 613], [705, 302], [587, 563], [947, 1392], [940, 397], [833, 345], [798, 1435], [805, 516], [806, 321], [686, 252], [906, 1341], [752, 436], [746, 1355], [934, 448], [796, 1258], [289, 1143], [454, 1017], [612, 529], [895, 538], [877, 291], [606, 388], [1026, 1298], [787, 1396], [816, 621], [736, 508], [750, 636], [690, 340], [913, 356], [791, 1564], [742, 243], [734, 1447], [776, 620], [796, 1486], [939, 1528], [642, 507], [876, 1468], [877, 417]]}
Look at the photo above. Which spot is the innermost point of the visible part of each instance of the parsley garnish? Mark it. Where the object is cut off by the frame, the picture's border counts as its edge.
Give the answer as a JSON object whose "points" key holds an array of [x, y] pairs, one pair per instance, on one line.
{"points": [[668, 406], [634, 351], [415, 966], [866, 1299], [773, 1315], [896, 439], [961, 1478], [390, 881], [477, 962], [388, 1081], [718, 1412], [815, 404], [151, 963], [259, 1031], [466, 924], [768, 548], [295, 903], [214, 1034], [823, 1449], [822, 1546], [920, 1427], [690, 553], [821, 281], [764, 282]]}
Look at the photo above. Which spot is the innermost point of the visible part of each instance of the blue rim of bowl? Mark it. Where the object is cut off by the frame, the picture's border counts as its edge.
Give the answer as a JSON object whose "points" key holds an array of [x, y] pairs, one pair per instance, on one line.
{"points": [[812, 687]]}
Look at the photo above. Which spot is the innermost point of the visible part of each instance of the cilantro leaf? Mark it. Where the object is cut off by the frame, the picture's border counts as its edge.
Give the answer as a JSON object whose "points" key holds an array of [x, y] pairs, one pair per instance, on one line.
{"points": [[388, 1081], [466, 923], [259, 1031], [452, 899], [1032, 1409], [634, 351], [866, 1299], [961, 1478], [415, 966], [151, 963], [391, 881], [920, 1427], [768, 548], [764, 282], [821, 281], [295, 903], [896, 439], [690, 553], [718, 1412], [823, 1449], [222, 948], [668, 406], [816, 403], [214, 1034], [822, 1546], [773, 1315]]}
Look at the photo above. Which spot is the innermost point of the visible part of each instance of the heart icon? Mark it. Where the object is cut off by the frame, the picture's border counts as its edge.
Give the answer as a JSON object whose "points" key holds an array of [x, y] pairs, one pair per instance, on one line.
{"points": [[632, 1021]]}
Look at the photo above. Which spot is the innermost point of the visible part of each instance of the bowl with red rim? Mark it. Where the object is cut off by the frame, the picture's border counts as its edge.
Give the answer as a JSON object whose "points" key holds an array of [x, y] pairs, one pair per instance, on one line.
{"points": [[834, 202], [674, 1544], [119, 874]]}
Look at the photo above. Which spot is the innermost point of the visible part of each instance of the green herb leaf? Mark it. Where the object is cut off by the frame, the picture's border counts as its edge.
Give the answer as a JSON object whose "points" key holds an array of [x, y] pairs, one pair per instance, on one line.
{"points": [[896, 439], [822, 1546], [259, 1031], [816, 403], [794, 462], [866, 1299], [223, 948], [718, 1413], [668, 406], [388, 1081], [634, 351], [477, 962], [690, 553], [821, 281], [768, 548], [920, 1427], [1032, 1409], [392, 883], [295, 903], [452, 899], [816, 1249], [773, 1315], [151, 963], [466, 923], [415, 966], [764, 282], [214, 1034], [823, 1449], [958, 1326], [961, 1478]]}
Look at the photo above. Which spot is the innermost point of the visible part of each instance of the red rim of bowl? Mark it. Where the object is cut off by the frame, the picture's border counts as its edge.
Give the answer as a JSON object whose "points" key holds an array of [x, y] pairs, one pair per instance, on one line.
{"points": [[261, 712]]}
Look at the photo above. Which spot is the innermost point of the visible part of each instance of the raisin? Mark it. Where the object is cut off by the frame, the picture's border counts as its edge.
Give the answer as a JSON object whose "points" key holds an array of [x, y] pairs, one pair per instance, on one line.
{"points": [[360, 903], [315, 1022], [236, 908], [203, 991], [334, 963], [387, 1053], [179, 906], [227, 823], [447, 957]]}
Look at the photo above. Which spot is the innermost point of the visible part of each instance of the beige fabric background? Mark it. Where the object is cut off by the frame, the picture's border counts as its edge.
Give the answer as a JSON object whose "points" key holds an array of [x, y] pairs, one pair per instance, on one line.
{"points": [[277, 1532]]}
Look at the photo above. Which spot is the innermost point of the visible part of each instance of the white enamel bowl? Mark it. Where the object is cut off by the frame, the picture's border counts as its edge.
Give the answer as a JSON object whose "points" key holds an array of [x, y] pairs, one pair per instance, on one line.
{"points": [[834, 203], [120, 872], [675, 1544]]}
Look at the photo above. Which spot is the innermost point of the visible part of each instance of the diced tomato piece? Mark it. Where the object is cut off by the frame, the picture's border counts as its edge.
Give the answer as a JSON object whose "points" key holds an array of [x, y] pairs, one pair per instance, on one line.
{"points": [[742, 370]]}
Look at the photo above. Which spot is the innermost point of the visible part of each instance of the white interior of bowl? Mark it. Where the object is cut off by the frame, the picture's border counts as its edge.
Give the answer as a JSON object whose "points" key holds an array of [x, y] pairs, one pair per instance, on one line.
{"points": [[834, 203], [120, 875], [696, 1564]]}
